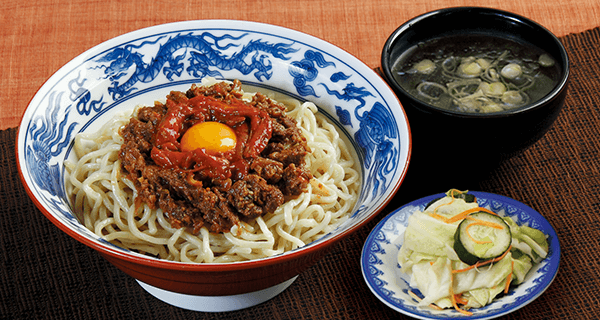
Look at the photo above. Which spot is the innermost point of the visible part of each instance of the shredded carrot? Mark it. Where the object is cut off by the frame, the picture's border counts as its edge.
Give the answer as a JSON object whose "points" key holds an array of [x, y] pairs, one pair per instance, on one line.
{"points": [[483, 263], [453, 297], [459, 216], [479, 222], [452, 191], [509, 278], [471, 237], [487, 223], [414, 296], [443, 204], [437, 216], [459, 299], [465, 213]]}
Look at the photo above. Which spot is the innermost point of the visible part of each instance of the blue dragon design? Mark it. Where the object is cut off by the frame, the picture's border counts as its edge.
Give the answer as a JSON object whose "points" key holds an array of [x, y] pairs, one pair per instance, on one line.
{"points": [[373, 136], [305, 71], [83, 97], [205, 52], [49, 138]]}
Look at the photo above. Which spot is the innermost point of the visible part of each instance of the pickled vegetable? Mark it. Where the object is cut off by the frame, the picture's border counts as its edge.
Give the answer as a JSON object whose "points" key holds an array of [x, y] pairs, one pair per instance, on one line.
{"points": [[481, 236]]}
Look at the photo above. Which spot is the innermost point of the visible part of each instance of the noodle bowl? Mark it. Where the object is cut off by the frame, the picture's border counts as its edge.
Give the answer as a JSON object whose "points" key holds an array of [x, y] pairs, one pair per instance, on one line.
{"points": [[141, 67], [106, 203]]}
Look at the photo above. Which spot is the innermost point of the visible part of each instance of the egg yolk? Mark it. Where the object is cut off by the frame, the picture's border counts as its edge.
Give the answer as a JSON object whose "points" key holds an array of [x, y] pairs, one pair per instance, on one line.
{"points": [[214, 137]]}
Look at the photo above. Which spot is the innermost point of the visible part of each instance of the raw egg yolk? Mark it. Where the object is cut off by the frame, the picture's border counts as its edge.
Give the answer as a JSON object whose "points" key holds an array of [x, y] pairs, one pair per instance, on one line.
{"points": [[214, 137]]}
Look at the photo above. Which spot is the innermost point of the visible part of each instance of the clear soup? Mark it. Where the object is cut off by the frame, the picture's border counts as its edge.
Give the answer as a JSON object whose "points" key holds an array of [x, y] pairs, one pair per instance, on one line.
{"points": [[476, 74]]}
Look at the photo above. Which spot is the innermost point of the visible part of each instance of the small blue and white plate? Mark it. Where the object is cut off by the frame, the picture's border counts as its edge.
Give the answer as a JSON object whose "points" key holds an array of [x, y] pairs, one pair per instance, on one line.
{"points": [[383, 275]]}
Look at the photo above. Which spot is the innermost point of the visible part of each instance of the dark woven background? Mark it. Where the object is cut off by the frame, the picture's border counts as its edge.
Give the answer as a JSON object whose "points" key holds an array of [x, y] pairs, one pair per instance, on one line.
{"points": [[46, 274]]}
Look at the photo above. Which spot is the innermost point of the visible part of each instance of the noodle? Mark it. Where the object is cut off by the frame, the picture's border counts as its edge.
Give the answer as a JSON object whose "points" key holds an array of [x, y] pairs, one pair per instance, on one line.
{"points": [[106, 203]]}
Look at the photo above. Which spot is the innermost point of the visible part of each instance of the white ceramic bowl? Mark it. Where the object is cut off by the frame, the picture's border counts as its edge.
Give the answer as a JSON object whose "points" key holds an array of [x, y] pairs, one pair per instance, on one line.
{"points": [[143, 66]]}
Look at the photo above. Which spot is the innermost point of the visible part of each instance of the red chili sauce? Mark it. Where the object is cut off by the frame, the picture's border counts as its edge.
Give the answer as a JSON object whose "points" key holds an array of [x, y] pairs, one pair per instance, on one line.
{"points": [[197, 188]]}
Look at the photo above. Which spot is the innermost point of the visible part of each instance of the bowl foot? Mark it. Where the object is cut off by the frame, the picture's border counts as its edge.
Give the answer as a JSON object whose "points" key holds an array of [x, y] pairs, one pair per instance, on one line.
{"points": [[216, 303]]}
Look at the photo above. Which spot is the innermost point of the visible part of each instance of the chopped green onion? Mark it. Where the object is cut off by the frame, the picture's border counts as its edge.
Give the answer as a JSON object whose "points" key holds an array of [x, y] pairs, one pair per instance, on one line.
{"points": [[512, 98], [469, 69], [546, 61], [425, 66], [511, 71], [494, 89]]}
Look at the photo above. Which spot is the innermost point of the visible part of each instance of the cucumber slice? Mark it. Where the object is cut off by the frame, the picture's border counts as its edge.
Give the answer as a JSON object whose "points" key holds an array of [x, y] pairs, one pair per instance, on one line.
{"points": [[481, 236]]}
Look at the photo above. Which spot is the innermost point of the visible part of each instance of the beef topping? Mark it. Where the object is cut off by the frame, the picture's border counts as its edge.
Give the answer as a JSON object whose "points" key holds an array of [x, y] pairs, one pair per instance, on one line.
{"points": [[199, 188]]}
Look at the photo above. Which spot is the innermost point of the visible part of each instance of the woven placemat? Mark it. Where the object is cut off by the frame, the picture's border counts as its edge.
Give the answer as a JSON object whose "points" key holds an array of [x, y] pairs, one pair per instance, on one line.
{"points": [[46, 274]]}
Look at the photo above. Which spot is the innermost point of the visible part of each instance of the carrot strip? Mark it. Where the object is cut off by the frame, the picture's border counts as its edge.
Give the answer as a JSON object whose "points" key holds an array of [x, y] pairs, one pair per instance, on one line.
{"points": [[471, 237], [453, 297], [459, 216], [486, 223], [437, 216], [509, 278], [483, 263], [465, 213], [414, 296], [459, 299], [452, 191], [441, 205], [479, 222]]}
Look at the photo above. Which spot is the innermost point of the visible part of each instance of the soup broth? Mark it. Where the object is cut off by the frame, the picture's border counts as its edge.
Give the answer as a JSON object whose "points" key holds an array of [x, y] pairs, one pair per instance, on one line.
{"points": [[476, 74]]}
